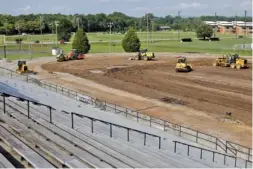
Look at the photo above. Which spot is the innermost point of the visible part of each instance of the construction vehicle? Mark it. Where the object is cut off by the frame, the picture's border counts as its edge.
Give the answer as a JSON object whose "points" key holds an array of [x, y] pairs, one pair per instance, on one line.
{"points": [[23, 68], [72, 55], [234, 61], [143, 55], [182, 65]]}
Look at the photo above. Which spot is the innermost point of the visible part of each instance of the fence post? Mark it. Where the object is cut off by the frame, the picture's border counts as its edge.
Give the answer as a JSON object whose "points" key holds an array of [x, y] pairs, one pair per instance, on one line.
{"points": [[197, 136], [175, 147], [150, 118], [4, 51], [62, 90], [201, 153], [180, 130], [127, 134], [224, 159], [91, 125], [188, 150], [213, 156], [126, 112], [56, 88], [50, 114], [226, 147], [28, 109], [110, 130], [4, 103], [72, 120], [159, 142], [137, 116], [115, 108], [145, 139], [164, 125]]}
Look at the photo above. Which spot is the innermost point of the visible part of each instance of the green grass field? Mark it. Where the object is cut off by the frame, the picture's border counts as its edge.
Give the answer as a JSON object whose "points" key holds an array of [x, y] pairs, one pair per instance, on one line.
{"points": [[100, 44]]}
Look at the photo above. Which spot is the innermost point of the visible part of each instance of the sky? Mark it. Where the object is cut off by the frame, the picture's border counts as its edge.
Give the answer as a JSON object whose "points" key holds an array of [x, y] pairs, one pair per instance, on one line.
{"points": [[129, 7]]}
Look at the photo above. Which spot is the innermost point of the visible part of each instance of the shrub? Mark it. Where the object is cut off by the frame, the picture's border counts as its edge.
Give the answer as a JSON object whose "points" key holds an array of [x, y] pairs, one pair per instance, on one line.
{"points": [[131, 42], [81, 42], [19, 40], [37, 41]]}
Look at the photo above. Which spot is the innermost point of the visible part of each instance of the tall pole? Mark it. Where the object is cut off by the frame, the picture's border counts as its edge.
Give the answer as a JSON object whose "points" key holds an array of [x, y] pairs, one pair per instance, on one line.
{"points": [[41, 28], [178, 32], [56, 31], [214, 34], [110, 26], [147, 30], [236, 33], [245, 19]]}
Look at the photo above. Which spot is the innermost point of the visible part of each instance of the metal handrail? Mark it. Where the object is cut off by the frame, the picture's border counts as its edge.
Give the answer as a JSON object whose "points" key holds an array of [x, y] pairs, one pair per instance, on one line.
{"points": [[138, 114], [213, 152]]}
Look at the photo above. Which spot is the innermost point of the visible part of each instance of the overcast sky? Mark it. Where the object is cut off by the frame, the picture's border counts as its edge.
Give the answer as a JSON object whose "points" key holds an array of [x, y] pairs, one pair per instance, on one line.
{"points": [[129, 7]]}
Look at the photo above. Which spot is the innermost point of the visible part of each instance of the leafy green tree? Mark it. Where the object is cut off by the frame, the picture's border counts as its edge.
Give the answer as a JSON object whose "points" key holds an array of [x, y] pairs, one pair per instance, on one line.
{"points": [[131, 42], [81, 42], [204, 31], [64, 29]]}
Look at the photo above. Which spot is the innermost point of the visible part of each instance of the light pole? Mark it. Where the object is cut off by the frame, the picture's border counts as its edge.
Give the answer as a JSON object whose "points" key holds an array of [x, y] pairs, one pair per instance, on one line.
{"points": [[147, 29], [245, 19], [110, 24], [41, 29], [178, 32], [56, 31], [214, 34]]}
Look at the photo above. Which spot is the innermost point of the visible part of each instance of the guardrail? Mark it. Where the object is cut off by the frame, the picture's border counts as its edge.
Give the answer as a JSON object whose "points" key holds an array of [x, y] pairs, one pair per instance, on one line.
{"points": [[145, 134], [213, 153], [186, 132]]}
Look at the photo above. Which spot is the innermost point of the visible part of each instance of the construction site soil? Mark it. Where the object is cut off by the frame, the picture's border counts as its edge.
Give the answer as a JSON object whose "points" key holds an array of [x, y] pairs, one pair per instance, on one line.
{"points": [[203, 95]]}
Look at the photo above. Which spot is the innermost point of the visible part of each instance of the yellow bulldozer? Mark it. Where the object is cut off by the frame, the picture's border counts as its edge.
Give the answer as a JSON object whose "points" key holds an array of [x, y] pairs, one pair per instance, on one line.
{"points": [[23, 68], [233, 61], [143, 55], [182, 65]]}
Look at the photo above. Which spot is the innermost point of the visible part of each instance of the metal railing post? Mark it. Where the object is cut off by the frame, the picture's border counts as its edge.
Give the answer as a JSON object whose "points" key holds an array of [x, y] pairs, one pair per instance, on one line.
{"points": [[164, 125], [126, 112], [201, 153], [115, 108], [92, 126], [249, 154], [180, 130], [127, 134], [72, 120], [216, 143], [188, 150], [144, 139], [213, 156], [28, 109], [110, 130], [235, 161], [4, 104], [159, 142], [226, 147], [175, 147], [224, 159], [137, 116], [150, 118], [50, 114], [197, 136]]}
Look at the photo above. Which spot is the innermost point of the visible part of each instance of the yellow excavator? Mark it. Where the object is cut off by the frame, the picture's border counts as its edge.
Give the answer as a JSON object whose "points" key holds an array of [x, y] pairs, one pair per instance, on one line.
{"points": [[23, 68], [233, 61]]}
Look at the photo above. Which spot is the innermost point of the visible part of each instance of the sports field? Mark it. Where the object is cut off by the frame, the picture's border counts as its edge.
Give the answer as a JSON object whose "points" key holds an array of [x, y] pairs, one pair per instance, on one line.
{"points": [[158, 42]]}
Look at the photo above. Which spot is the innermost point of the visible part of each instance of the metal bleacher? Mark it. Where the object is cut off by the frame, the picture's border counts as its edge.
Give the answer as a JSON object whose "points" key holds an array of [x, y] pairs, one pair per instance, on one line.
{"points": [[64, 132]]}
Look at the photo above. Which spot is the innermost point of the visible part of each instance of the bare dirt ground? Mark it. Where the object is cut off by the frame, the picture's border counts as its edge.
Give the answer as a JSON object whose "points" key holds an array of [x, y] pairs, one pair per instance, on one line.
{"points": [[198, 99]]}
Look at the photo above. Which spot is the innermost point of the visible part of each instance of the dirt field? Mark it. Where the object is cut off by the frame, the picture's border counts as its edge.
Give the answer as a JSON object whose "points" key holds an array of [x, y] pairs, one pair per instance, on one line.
{"points": [[198, 99]]}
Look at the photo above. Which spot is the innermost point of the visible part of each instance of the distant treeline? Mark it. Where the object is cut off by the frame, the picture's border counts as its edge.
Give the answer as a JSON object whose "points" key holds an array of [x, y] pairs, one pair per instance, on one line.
{"points": [[99, 22]]}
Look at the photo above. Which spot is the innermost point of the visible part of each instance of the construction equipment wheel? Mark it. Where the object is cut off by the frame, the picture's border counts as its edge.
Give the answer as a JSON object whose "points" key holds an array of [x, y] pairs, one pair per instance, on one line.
{"points": [[214, 64], [145, 58], [232, 66], [238, 66]]}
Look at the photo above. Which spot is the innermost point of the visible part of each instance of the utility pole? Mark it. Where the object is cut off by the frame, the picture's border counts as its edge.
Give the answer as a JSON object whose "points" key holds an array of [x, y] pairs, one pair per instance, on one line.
{"points": [[41, 29], [147, 30], [245, 20], [56, 30], [152, 32], [178, 31], [236, 33], [215, 29], [110, 24]]}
